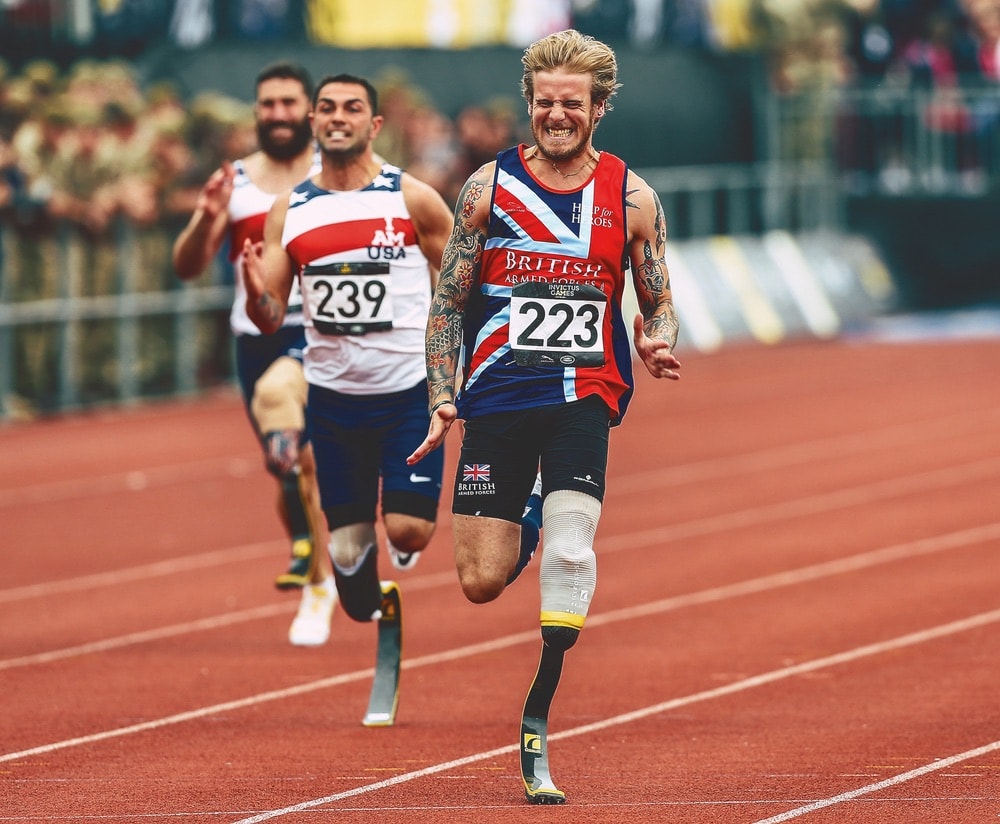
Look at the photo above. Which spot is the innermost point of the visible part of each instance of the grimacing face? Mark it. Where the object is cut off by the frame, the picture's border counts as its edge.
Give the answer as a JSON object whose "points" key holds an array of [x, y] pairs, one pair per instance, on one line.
{"points": [[563, 118], [343, 123]]}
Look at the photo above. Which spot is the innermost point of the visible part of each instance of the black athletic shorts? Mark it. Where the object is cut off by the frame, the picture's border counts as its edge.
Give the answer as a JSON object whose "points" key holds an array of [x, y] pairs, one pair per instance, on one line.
{"points": [[501, 454]]}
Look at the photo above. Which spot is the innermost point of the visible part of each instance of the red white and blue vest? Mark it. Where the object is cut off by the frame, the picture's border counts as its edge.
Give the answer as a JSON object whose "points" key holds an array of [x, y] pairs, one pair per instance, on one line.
{"points": [[544, 324]]}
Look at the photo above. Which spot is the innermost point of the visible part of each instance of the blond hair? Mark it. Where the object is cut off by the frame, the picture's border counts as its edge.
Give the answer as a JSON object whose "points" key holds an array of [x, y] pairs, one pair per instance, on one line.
{"points": [[573, 52]]}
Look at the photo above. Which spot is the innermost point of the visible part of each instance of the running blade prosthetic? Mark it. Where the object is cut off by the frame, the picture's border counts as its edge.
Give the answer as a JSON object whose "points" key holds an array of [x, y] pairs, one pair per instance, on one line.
{"points": [[384, 697]]}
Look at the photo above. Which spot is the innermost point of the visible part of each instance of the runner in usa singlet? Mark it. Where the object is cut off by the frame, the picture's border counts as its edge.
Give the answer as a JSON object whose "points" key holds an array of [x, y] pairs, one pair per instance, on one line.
{"points": [[366, 285]]}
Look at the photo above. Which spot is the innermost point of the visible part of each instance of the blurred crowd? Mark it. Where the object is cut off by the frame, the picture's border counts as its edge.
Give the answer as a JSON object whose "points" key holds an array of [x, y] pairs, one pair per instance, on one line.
{"points": [[817, 44], [86, 144], [90, 164]]}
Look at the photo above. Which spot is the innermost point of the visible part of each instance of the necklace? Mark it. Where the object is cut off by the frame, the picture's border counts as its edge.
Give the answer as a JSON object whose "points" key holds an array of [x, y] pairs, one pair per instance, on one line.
{"points": [[566, 176], [535, 154]]}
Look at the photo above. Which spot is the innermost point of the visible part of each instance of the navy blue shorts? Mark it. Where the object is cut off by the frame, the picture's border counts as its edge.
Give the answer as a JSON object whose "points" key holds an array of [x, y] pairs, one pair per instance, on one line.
{"points": [[255, 353], [360, 439], [501, 454]]}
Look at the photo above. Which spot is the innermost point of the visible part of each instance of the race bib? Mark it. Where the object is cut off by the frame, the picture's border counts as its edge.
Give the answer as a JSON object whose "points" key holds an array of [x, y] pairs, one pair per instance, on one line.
{"points": [[348, 298], [557, 324]]}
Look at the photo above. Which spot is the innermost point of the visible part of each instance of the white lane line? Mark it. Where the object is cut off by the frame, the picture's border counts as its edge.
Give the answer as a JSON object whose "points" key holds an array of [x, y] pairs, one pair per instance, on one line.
{"points": [[614, 544], [199, 625], [813, 572], [239, 466], [868, 493], [902, 778], [715, 594], [794, 454], [911, 639], [146, 636], [115, 578], [859, 495], [135, 480], [274, 695]]}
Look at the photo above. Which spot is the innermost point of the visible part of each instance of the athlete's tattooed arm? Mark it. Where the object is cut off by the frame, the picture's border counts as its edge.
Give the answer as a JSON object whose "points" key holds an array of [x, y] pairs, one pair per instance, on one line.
{"points": [[269, 312], [655, 327], [459, 272], [650, 275]]}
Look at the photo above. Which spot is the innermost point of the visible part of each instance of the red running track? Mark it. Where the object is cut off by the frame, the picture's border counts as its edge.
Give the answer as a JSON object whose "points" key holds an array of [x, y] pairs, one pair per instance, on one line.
{"points": [[797, 618]]}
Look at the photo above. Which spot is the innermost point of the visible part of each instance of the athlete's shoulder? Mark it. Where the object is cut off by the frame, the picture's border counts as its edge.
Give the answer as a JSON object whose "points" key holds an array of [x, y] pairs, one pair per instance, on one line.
{"points": [[241, 177], [638, 193], [388, 179], [250, 167], [304, 192]]}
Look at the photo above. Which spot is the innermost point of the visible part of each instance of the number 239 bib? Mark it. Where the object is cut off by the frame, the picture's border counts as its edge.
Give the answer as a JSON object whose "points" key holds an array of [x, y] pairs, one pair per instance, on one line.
{"points": [[348, 298]]}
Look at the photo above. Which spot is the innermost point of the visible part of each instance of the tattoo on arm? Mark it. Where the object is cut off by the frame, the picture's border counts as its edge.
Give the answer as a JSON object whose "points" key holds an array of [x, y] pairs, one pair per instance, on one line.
{"points": [[653, 283], [660, 227], [663, 325], [269, 307], [459, 272]]}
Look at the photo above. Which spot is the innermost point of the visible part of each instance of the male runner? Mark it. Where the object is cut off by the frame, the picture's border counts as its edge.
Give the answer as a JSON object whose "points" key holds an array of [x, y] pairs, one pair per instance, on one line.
{"points": [[365, 240], [530, 299], [232, 207]]}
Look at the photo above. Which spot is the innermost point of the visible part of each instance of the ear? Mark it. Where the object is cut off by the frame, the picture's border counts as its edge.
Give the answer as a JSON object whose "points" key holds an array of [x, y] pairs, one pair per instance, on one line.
{"points": [[599, 110]]}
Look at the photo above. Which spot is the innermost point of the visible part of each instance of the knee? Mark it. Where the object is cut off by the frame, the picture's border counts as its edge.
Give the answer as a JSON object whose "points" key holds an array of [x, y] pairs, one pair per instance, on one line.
{"points": [[481, 577], [486, 550], [355, 571], [271, 391], [348, 545], [407, 533], [279, 396], [570, 524], [480, 588]]}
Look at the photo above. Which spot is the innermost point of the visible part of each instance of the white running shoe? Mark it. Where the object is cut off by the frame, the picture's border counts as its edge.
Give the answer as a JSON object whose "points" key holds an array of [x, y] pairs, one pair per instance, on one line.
{"points": [[311, 627], [402, 560]]}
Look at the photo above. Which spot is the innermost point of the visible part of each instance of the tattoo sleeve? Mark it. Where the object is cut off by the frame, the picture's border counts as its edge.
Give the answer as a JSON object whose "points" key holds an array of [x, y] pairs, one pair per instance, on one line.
{"points": [[652, 281], [459, 272]]}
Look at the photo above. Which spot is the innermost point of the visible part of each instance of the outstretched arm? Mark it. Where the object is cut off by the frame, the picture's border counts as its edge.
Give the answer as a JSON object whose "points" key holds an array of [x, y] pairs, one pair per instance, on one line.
{"points": [[460, 265], [202, 238], [267, 272], [655, 326]]}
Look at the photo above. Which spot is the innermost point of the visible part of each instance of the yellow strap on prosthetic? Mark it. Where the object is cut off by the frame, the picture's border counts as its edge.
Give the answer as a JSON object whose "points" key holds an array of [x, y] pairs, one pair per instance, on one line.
{"points": [[562, 619]]}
